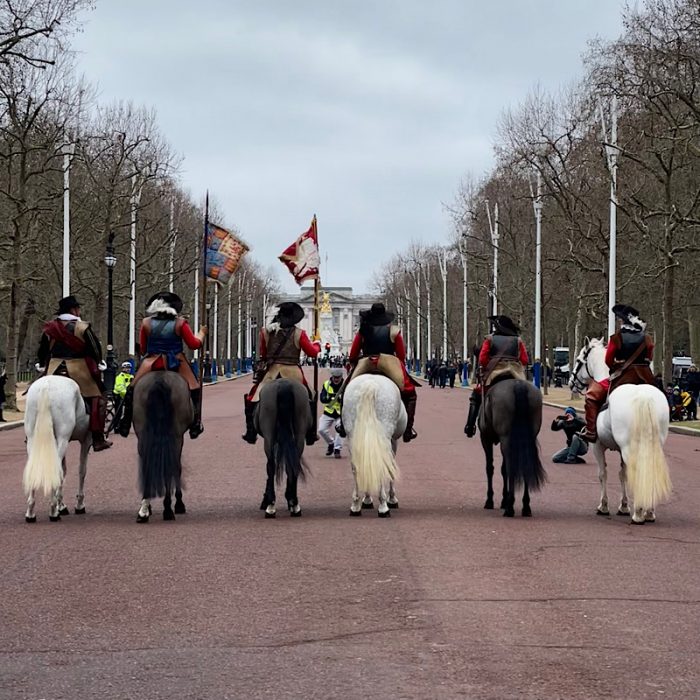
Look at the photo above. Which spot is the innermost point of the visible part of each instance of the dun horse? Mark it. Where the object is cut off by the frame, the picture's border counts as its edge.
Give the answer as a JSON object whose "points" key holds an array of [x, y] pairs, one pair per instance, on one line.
{"points": [[512, 416], [162, 413], [283, 417]]}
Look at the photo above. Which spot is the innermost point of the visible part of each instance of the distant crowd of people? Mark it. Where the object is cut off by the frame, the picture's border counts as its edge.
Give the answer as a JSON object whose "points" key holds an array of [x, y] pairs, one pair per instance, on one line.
{"points": [[683, 395]]}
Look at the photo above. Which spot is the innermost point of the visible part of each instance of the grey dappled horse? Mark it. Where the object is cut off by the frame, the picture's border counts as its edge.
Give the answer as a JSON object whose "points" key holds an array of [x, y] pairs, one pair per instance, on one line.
{"points": [[512, 416], [162, 413], [55, 415], [374, 418], [283, 417]]}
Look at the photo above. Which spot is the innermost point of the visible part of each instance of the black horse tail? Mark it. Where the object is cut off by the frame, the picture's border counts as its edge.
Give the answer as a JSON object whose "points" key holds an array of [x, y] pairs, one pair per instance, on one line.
{"points": [[286, 456], [523, 452], [159, 472]]}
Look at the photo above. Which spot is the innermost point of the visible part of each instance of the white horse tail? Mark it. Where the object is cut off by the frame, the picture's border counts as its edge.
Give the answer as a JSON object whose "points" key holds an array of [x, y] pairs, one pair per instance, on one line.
{"points": [[43, 468], [371, 450], [646, 464]]}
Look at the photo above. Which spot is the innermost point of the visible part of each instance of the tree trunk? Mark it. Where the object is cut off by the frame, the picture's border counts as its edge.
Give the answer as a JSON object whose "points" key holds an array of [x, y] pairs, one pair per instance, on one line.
{"points": [[667, 320], [694, 332]]}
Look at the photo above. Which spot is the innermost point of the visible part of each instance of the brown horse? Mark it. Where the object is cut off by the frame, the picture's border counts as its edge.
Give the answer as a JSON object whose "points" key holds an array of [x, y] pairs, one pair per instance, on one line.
{"points": [[283, 417], [162, 413], [512, 416]]}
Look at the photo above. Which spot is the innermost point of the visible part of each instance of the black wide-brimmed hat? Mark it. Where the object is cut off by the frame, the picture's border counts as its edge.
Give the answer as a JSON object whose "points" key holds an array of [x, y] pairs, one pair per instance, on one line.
{"points": [[172, 300], [377, 315], [289, 314], [66, 304], [505, 324]]}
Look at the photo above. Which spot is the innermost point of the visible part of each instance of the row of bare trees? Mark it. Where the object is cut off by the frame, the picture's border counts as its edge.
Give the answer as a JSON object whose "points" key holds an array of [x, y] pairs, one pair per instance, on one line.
{"points": [[652, 73], [121, 169]]}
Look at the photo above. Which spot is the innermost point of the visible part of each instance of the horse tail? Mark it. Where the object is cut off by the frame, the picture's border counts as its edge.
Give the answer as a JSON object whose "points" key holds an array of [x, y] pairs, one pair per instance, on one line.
{"points": [[285, 453], [159, 463], [523, 453], [647, 468], [43, 468], [372, 455]]}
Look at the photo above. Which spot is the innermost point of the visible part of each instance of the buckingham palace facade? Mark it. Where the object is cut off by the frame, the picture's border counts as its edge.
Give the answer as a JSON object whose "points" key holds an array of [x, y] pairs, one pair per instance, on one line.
{"points": [[339, 314]]}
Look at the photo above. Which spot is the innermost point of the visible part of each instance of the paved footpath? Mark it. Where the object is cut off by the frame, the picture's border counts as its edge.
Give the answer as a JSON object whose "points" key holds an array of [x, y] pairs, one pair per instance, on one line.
{"points": [[442, 600]]}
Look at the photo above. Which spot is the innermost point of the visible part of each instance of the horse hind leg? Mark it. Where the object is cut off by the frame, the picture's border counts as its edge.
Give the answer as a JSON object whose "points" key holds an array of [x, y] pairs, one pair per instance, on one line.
{"points": [[60, 504], [383, 509], [179, 503], [168, 507], [356, 503], [488, 451], [82, 471], [527, 511], [292, 499], [30, 514], [268, 501], [392, 501], [599, 454], [624, 508], [144, 511]]}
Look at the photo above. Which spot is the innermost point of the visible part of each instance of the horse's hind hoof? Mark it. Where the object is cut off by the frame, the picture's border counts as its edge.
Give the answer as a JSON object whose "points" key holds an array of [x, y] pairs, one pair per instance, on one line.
{"points": [[602, 512], [508, 514], [168, 515], [623, 513], [64, 511], [180, 508], [80, 511], [295, 513], [27, 519], [527, 513], [54, 518], [368, 506], [636, 522], [385, 514], [393, 506], [354, 513], [270, 515], [488, 505], [142, 518]]}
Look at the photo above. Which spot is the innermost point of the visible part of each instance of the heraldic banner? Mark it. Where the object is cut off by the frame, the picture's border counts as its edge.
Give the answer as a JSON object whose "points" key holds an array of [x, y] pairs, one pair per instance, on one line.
{"points": [[224, 253], [302, 258]]}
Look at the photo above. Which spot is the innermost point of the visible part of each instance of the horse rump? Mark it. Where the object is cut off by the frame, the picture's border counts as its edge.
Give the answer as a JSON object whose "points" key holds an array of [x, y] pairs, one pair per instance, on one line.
{"points": [[159, 456], [285, 453], [523, 453], [43, 470]]}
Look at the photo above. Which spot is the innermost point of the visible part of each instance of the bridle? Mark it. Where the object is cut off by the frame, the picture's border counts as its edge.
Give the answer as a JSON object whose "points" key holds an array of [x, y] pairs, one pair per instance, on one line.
{"points": [[576, 383]]}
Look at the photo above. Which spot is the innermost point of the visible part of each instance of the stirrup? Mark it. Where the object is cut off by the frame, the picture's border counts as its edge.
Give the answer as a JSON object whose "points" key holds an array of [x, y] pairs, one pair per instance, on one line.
{"points": [[586, 436]]}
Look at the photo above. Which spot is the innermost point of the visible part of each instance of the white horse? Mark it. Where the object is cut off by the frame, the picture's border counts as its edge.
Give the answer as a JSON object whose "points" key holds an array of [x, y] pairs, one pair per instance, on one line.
{"points": [[374, 418], [55, 415], [635, 424]]}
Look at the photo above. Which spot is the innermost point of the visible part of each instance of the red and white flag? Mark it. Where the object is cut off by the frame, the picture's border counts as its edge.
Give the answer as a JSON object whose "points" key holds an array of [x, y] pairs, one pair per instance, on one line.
{"points": [[302, 257]]}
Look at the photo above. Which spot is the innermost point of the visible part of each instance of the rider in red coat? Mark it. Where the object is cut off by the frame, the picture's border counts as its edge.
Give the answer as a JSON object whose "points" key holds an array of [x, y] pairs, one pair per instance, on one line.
{"points": [[502, 352], [629, 354]]}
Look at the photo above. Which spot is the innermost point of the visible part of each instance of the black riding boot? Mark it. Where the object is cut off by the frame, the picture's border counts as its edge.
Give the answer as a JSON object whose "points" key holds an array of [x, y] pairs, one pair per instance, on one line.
{"points": [[311, 434], [474, 406], [251, 435], [127, 413], [196, 429], [409, 402]]}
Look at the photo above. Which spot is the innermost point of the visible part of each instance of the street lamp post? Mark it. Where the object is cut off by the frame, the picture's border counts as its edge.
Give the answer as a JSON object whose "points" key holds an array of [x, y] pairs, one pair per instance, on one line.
{"points": [[110, 261], [68, 151], [465, 334]]}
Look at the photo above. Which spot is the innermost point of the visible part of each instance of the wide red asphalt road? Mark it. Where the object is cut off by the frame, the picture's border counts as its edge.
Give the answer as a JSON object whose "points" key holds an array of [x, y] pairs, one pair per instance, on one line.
{"points": [[442, 600]]}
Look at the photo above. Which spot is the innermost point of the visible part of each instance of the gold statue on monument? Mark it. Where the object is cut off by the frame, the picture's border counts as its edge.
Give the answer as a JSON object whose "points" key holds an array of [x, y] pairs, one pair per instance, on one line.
{"points": [[326, 304]]}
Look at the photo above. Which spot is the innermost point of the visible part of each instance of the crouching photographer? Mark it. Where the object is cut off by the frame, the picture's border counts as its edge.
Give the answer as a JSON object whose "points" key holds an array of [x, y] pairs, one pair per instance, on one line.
{"points": [[571, 424]]}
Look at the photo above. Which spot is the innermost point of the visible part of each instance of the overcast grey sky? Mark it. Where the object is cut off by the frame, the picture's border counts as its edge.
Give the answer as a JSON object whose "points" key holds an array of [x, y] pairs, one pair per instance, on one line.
{"points": [[367, 113]]}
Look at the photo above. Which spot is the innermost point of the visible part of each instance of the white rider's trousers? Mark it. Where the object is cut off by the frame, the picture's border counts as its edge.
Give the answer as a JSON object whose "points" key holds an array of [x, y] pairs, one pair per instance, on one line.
{"points": [[326, 429]]}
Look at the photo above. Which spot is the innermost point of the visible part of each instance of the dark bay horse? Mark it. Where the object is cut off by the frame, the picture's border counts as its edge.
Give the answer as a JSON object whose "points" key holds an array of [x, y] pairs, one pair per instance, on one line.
{"points": [[512, 416], [283, 417], [162, 413]]}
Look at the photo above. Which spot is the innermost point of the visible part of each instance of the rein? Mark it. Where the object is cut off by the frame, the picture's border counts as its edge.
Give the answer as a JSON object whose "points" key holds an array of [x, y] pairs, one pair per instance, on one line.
{"points": [[576, 383]]}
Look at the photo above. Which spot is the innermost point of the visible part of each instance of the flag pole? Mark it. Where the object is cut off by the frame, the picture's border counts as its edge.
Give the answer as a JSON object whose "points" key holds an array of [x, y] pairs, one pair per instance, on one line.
{"points": [[317, 288], [203, 297]]}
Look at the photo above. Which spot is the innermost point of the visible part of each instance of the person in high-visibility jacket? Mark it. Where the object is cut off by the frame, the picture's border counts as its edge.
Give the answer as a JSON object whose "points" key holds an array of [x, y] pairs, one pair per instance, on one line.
{"points": [[123, 380], [331, 412]]}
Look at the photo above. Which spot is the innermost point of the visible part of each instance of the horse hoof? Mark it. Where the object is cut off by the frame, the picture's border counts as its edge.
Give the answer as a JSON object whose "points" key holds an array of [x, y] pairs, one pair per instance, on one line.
{"points": [[636, 522], [488, 505], [386, 514], [527, 513], [142, 518], [354, 513], [368, 506], [270, 515], [180, 508], [80, 511], [394, 506], [54, 518], [27, 519], [508, 513], [622, 513], [602, 512], [64, 511], [168, 515], [295, 513]]}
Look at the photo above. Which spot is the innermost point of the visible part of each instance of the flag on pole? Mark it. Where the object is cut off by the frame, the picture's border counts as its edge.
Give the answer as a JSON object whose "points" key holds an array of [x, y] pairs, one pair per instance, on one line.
{"points": [[302, 257], [224, 252]]}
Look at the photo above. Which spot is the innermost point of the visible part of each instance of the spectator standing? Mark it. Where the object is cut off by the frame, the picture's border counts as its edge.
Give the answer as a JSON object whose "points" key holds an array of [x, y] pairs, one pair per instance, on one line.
{"points": [[3, 396], [451, 374], [692, 382]]}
